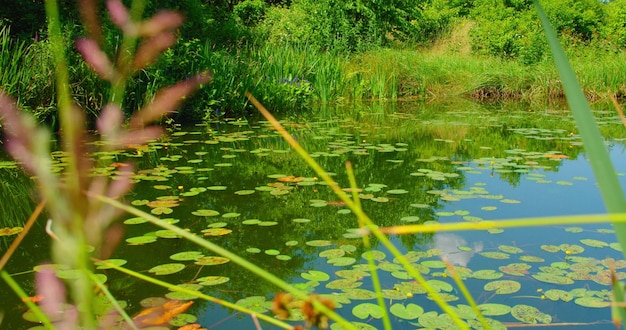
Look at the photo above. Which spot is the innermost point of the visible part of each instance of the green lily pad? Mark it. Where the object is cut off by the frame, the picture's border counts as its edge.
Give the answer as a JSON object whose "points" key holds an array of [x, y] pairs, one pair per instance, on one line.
{"points": [[244, 192], [272, 252], [216, 188], [594, 243], [552, 278], [315, 275], [319, 243], [332, 253], [593, 302], [494, 309], [510, 249], [167, 269], [359, 294], [211, 260], [343, 284], [205, 213], [367, 310], [530, 315], [495, 255], [116, 262], [503, 286], [187, 255], [341, 261], [257, 304], [251, 222], [397, 191], [135, 221], [212, 280], [408, 312], [556, 294], [374, 255], [140, 240], [487, 274]]}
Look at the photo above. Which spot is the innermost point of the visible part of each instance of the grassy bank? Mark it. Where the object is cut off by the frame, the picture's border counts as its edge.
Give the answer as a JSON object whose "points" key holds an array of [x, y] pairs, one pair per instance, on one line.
{"points": [[294, 78]]}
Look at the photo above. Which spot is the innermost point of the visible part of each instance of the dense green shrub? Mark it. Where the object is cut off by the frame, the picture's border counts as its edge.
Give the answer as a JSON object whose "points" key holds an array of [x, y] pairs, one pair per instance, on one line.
{"points": [[250, 12]]}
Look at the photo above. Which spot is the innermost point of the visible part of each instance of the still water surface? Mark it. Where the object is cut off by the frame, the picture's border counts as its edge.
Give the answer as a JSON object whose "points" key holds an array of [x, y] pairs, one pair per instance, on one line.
{"points": [[229, 181]]}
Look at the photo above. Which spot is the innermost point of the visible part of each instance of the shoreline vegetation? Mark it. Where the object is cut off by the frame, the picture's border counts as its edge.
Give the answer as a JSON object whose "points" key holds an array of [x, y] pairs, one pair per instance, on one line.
{"points": [[457, 56]]}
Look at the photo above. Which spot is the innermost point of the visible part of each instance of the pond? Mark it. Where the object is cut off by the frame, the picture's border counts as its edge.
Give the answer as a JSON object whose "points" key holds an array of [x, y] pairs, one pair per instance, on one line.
{"points": [[239, 185]]}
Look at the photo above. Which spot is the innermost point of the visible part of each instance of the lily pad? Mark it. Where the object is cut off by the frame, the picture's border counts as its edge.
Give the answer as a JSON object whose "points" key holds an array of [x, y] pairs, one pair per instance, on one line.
{"points": [[503, 286], [167, 269], [315, 275], [211, 260], [552, 278], [530, 314], [494, 309], [205, 213], [367, 310], [408, 312], [187, 255]]}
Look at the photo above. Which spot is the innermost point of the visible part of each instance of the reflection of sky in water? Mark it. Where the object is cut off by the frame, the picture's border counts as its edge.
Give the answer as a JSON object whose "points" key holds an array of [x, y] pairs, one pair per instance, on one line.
{"points": [[537, 199]]}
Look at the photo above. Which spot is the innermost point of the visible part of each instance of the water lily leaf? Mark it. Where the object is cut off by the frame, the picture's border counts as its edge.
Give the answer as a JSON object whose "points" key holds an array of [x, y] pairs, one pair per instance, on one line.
{"points": [[343, 284], [216, 231], [165, 233], [374, 255], [503, 286], [218, 225], [572, 248], [283, 257], [178, 295], [367, 310], [205, 213], [489, 208], [510, 201], [412, 218], [593, 302], [244, 192], [272, 252], [217, 188], [291, 243], [594, 243], [494, 309], [530, 315], [251, 222], [510, 249], [231, 215], [516, 269], [380, 199], [359, 294], [439, 286], [332, 253], [167, 269], [187, 255], [556, 294], [267, 223], [318, 243], [550, 248], [135, 221], [487, 274], [116, 262], [253, 250], [255, 303], [552, 278], [341, 261], [397, 191], [161, 210], [301, 220], [433, 263], [531, 259], [140, 240], [352, 274], [315, 275], [444, 214], [211, 260], [408, 312], [574, 229], [495, 255]]}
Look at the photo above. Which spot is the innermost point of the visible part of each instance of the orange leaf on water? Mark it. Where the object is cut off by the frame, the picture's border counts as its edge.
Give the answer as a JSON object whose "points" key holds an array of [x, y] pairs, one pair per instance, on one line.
{"points": [[161, 315]]}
